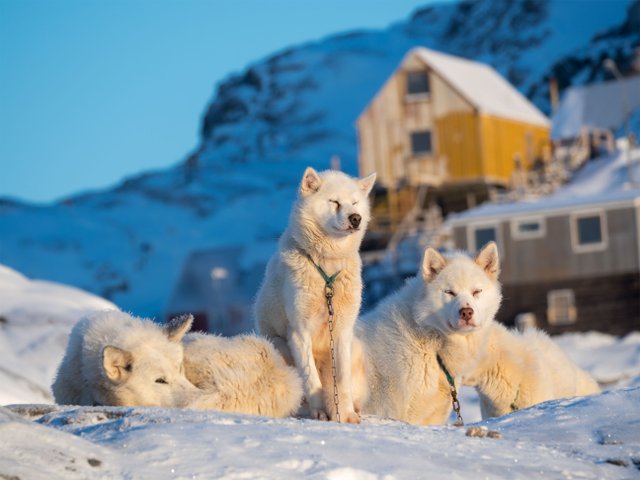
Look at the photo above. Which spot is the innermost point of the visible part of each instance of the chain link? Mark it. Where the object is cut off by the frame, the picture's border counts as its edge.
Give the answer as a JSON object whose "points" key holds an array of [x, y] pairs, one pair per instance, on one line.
{"points": [[328, 293], [456, 406]]}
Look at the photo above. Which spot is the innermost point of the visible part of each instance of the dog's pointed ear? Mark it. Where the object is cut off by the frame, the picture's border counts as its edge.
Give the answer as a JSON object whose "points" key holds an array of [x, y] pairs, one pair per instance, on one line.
{"points": [[488, 259], [310, 183], [117, 363], [177, 327], [366, 183], [432, 264]]}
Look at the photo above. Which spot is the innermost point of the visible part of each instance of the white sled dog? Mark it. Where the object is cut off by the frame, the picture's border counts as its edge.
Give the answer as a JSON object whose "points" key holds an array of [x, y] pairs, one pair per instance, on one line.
{"points": [[447, 313], [509, 370], [326, 227], [444, 310], [115, 359], [243, 374]]}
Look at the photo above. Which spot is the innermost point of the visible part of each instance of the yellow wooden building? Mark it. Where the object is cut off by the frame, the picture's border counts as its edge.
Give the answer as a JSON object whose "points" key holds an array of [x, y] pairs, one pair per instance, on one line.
{"points": [[451, 123]]}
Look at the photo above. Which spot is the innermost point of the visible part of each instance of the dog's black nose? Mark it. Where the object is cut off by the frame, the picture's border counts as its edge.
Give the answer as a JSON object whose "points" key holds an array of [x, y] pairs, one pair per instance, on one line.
{"points": [[466, 313], [355, 219]]}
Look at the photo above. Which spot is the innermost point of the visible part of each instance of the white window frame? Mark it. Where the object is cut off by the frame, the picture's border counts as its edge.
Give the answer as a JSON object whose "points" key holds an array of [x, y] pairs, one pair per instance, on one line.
{"points": [[572, 313], [417, 97], [471, 235], [516, 234], [589, 247]]}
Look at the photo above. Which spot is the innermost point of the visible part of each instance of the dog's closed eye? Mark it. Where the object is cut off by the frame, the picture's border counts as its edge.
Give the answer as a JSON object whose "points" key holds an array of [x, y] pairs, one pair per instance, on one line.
{"points": [[476, 292], [337, 203], [451, 293], [162, 380]]}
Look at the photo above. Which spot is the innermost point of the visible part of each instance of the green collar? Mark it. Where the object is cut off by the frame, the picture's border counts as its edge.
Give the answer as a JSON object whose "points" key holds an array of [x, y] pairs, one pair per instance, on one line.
{"points": [[328, 280]]}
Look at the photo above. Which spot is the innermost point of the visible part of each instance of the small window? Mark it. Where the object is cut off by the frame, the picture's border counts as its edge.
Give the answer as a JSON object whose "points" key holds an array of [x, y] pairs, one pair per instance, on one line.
{"points": [[561, 307], [417, 84], [479, 234], [588, 231], [484, 235], [526, 228], [421, 142]]}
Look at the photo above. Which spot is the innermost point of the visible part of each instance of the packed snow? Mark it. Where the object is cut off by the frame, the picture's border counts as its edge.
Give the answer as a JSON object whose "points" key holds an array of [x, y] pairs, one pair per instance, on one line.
{"points": [[594, 437]]}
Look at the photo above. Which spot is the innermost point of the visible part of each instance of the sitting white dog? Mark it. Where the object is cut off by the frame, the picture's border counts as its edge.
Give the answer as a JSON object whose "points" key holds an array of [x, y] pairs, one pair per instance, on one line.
{"points": [[315, 273]]}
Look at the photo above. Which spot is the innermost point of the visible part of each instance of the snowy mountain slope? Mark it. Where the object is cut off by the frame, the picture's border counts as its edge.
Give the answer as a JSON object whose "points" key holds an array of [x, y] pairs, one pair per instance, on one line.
{"points": [[593, 438], [263, 126]]}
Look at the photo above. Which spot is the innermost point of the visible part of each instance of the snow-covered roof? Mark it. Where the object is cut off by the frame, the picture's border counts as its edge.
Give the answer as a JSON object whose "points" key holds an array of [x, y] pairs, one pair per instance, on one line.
{"points": [[481, 85], [601, 106], [602, 182]]}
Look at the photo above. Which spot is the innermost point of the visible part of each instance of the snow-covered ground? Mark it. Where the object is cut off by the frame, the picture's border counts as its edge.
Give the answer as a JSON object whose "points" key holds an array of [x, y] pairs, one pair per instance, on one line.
{"points": [[595, 437]]}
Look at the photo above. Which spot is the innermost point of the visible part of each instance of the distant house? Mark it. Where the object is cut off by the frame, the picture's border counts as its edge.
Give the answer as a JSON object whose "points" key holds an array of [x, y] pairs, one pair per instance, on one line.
{"points": [[570, 261], [598, 107], [217, 291], [450, 123], [586, 122]]}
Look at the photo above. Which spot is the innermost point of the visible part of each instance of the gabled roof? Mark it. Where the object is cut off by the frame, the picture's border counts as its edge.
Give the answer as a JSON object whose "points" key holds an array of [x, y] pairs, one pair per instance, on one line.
{"points": [[600, 106], [481, 86]]}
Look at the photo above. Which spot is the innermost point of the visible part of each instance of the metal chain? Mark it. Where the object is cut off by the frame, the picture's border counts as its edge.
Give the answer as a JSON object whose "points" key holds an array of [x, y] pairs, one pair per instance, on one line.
{"points": [[328, 294], [454, 393], [456, 406]]}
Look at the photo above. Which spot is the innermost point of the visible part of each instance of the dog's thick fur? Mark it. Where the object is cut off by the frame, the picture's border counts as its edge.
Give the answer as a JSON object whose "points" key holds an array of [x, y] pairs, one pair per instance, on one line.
{"points": [[522, 369], [291, 308], [241, 374], [405, 333], [115, 359]]}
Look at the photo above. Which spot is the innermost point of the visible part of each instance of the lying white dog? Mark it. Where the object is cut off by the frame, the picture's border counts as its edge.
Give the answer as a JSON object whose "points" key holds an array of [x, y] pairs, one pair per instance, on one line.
{"points": [[317, 263], [439, 331], [510, 370], [445, 310], [115, 359]]}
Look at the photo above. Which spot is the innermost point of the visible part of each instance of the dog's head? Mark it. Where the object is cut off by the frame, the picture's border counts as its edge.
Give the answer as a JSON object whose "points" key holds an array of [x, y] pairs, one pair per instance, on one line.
{"points": [[335, 202], [152, 373], [462, 295]]}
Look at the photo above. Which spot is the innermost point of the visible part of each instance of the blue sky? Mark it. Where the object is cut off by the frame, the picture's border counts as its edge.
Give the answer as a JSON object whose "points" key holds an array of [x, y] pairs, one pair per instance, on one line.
{"points": [[92, 91]]}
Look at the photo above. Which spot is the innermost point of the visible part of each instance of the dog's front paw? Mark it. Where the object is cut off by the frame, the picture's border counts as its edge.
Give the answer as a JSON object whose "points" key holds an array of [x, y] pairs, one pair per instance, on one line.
{"points": [[319, 414], [350, 417]]}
